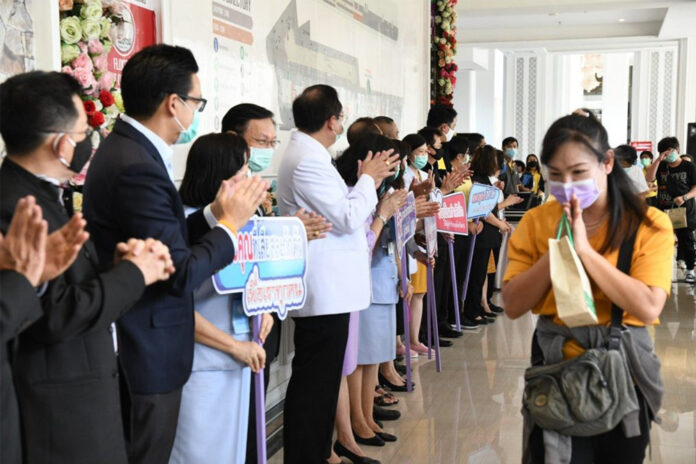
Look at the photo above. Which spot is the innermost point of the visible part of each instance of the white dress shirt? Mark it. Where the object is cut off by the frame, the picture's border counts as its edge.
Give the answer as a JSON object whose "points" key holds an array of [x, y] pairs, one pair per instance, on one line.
{"points": [[338, 267]]}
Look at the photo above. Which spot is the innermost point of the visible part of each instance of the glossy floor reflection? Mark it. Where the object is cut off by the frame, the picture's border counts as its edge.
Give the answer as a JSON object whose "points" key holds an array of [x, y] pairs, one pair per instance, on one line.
{"points": [[469, 413]]}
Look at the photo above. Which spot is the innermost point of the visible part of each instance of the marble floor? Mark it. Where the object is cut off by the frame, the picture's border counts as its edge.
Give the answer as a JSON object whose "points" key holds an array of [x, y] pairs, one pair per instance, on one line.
{"points": [[469, 413]]}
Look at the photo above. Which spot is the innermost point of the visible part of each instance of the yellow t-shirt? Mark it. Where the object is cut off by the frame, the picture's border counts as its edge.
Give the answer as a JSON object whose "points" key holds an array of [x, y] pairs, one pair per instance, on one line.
{"points": [[651, 263], [650, 184], [465, 188]]}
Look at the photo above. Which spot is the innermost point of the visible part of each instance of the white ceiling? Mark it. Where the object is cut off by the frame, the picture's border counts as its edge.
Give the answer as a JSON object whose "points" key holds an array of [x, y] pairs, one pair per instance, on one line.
{"points": [[508, 22]]}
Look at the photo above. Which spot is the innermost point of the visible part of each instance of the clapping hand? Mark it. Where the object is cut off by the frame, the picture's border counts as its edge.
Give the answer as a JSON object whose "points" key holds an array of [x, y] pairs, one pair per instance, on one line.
{"points": [[421, 189], [24, 248], [315, 225], [390, 203], [150, 256], [451, 181], [380, 166], [238, 198], [425, 208], [63, 245]]}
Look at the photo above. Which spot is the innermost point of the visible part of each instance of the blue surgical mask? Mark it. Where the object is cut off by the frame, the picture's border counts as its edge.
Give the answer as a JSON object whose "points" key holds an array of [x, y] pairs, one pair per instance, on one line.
{"points": [[260, 158], [187, 135], [419, 161], [511, 152], [672, 157], [398, 170]]}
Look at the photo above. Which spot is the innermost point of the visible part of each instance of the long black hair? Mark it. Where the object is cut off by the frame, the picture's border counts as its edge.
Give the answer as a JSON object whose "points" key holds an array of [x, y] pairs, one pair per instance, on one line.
{"points": [[626, 209], [212, 159], [347, 163]]}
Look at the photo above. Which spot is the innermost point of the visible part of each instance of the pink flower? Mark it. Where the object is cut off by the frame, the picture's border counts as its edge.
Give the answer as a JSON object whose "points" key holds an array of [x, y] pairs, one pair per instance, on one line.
{"points": [[107, 80], [84, 77], [83, 46], [67, 70], [95, 47], [101, 62], [83, 62]]}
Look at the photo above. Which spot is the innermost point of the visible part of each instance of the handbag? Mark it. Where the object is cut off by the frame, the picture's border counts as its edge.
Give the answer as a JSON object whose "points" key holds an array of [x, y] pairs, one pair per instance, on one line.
{"points": [[571, 286], [678, 217], [587, 395]]}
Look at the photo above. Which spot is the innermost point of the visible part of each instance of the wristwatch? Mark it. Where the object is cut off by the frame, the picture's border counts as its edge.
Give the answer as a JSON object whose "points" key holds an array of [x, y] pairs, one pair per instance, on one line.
{"points": [[382, 218]]}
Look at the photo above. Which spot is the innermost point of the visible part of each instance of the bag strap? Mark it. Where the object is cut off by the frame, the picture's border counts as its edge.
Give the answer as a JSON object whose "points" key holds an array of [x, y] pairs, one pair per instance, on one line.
{"points": [[565, 224], [623, 265]]}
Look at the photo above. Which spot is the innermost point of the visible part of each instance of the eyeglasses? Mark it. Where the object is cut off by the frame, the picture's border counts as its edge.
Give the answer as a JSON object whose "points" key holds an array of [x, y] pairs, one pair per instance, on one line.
{"points": [[87, 132], [200, 102], [267, 143]]}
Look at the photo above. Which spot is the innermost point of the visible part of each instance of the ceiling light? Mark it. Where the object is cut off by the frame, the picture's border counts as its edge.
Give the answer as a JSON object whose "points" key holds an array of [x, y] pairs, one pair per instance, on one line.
{"points": [[553, 14], [621, 20]]}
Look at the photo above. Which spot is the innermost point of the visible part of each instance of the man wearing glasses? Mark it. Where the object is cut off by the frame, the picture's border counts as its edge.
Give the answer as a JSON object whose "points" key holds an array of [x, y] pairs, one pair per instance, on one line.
{"points": [[64, 364], [129, 191]]}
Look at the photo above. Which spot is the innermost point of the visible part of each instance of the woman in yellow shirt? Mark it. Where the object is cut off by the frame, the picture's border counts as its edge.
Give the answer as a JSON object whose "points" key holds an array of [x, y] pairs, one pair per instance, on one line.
{"points": [[595, 194]]}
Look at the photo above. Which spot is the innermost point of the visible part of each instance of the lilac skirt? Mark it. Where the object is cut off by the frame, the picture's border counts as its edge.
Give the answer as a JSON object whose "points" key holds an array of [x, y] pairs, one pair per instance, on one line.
{"points": [[350, 360]]}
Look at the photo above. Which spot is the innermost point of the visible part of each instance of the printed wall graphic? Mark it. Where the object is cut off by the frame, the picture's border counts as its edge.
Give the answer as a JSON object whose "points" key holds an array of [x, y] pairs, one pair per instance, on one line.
{"points": [[16, 37]]}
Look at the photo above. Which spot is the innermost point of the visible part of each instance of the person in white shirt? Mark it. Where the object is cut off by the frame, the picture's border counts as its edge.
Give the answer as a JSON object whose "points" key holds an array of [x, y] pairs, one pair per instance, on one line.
{"points": [[628, 156], [338, 272]]}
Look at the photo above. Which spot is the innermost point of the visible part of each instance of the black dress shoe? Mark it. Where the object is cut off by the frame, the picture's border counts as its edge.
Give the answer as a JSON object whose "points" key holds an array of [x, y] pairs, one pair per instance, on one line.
{"points": [[387, 437], [372, 441], [489, 317], [481, 320], [391, 387], [495, 308], [382, 414], [448, 332], [444, 343], [468, 324], [342, 451]]}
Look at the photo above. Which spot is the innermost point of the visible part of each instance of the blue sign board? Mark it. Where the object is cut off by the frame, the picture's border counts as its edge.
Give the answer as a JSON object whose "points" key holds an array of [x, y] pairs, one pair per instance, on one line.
{"points": [[269, 266], [482, 200]]}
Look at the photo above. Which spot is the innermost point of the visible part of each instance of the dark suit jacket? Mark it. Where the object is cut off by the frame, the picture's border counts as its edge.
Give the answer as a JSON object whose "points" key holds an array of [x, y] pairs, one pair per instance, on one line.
{"points": [[64, 365], [19, 307], [129, 194]]}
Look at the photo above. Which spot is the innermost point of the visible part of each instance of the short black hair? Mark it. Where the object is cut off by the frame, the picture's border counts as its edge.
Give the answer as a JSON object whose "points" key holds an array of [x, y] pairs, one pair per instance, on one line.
{"points": [[441, 114], [34, 104], [415, 141], [508, 140], [520, 164], [430, 134], [360, 127], [626, 153], [347, 163], [668, 143], [152, 74], [647, 153], [457, 146], [384, 120], [237, 118], [315, 105], [211, 159]]}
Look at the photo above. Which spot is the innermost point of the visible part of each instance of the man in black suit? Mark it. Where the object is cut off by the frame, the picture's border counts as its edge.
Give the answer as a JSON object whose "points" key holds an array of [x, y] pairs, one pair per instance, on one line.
{"points": [[129, 192], [64, 365]]}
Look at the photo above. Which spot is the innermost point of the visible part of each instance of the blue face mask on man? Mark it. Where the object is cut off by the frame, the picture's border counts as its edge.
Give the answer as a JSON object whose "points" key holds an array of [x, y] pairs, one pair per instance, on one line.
{"points": [[260, 158], [187, 135], [511, 153]]}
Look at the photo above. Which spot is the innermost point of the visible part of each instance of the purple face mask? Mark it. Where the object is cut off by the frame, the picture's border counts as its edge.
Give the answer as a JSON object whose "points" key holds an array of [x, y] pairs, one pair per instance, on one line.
{"points": [[586, 191]]}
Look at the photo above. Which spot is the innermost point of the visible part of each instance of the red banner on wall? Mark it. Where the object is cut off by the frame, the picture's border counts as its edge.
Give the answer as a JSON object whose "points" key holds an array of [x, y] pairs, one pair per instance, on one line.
{"points": [[137, 31], [642, 146]]}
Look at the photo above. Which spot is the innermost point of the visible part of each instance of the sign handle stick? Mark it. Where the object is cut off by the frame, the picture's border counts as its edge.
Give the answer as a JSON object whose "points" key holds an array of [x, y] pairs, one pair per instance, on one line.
{"points": [[407, 325], [432, 307], [455, 292], [260, 401], [468, 266], [428, 317]]}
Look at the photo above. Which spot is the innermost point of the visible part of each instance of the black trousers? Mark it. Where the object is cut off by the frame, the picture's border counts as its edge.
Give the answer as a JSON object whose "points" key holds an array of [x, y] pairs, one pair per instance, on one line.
{"points": [[312, 395], [443, 277], [271, 347], [685, 249], [151, 427], [479, 268], [491, 277], [608, 448]]}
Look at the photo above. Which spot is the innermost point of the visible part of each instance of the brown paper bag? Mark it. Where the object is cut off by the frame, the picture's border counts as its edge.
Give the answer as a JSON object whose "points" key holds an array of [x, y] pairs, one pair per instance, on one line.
{"points": [[571, 286], [678, 217]]}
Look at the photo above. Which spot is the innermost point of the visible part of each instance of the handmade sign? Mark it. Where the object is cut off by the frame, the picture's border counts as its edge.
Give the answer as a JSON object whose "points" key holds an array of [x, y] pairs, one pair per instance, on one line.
{"points": [[405, 220], [641, 146], [269, 266], [482, 200], [452, 217]]}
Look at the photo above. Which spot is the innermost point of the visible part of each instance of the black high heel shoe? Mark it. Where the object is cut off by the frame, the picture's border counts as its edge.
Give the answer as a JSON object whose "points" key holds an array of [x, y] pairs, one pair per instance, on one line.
{"points": [[395, 388], [387, 437], [342, 451], [372, 441]]}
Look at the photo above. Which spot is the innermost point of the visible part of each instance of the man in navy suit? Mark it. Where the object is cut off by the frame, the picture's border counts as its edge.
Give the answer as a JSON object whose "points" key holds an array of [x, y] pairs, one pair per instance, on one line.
{"points": [[129, 192]]}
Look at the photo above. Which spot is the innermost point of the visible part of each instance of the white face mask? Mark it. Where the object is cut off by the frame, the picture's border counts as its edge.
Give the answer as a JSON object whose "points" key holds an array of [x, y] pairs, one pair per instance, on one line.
{"points": [[450, 133]]}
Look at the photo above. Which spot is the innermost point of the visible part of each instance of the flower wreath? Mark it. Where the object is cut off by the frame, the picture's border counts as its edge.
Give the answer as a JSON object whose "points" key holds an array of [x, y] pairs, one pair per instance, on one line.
{"points": [[443, 48]]}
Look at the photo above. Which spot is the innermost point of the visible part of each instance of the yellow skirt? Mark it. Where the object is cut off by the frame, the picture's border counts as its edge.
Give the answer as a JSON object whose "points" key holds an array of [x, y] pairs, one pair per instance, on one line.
{"points": [[491, 264], [419, 280]]}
